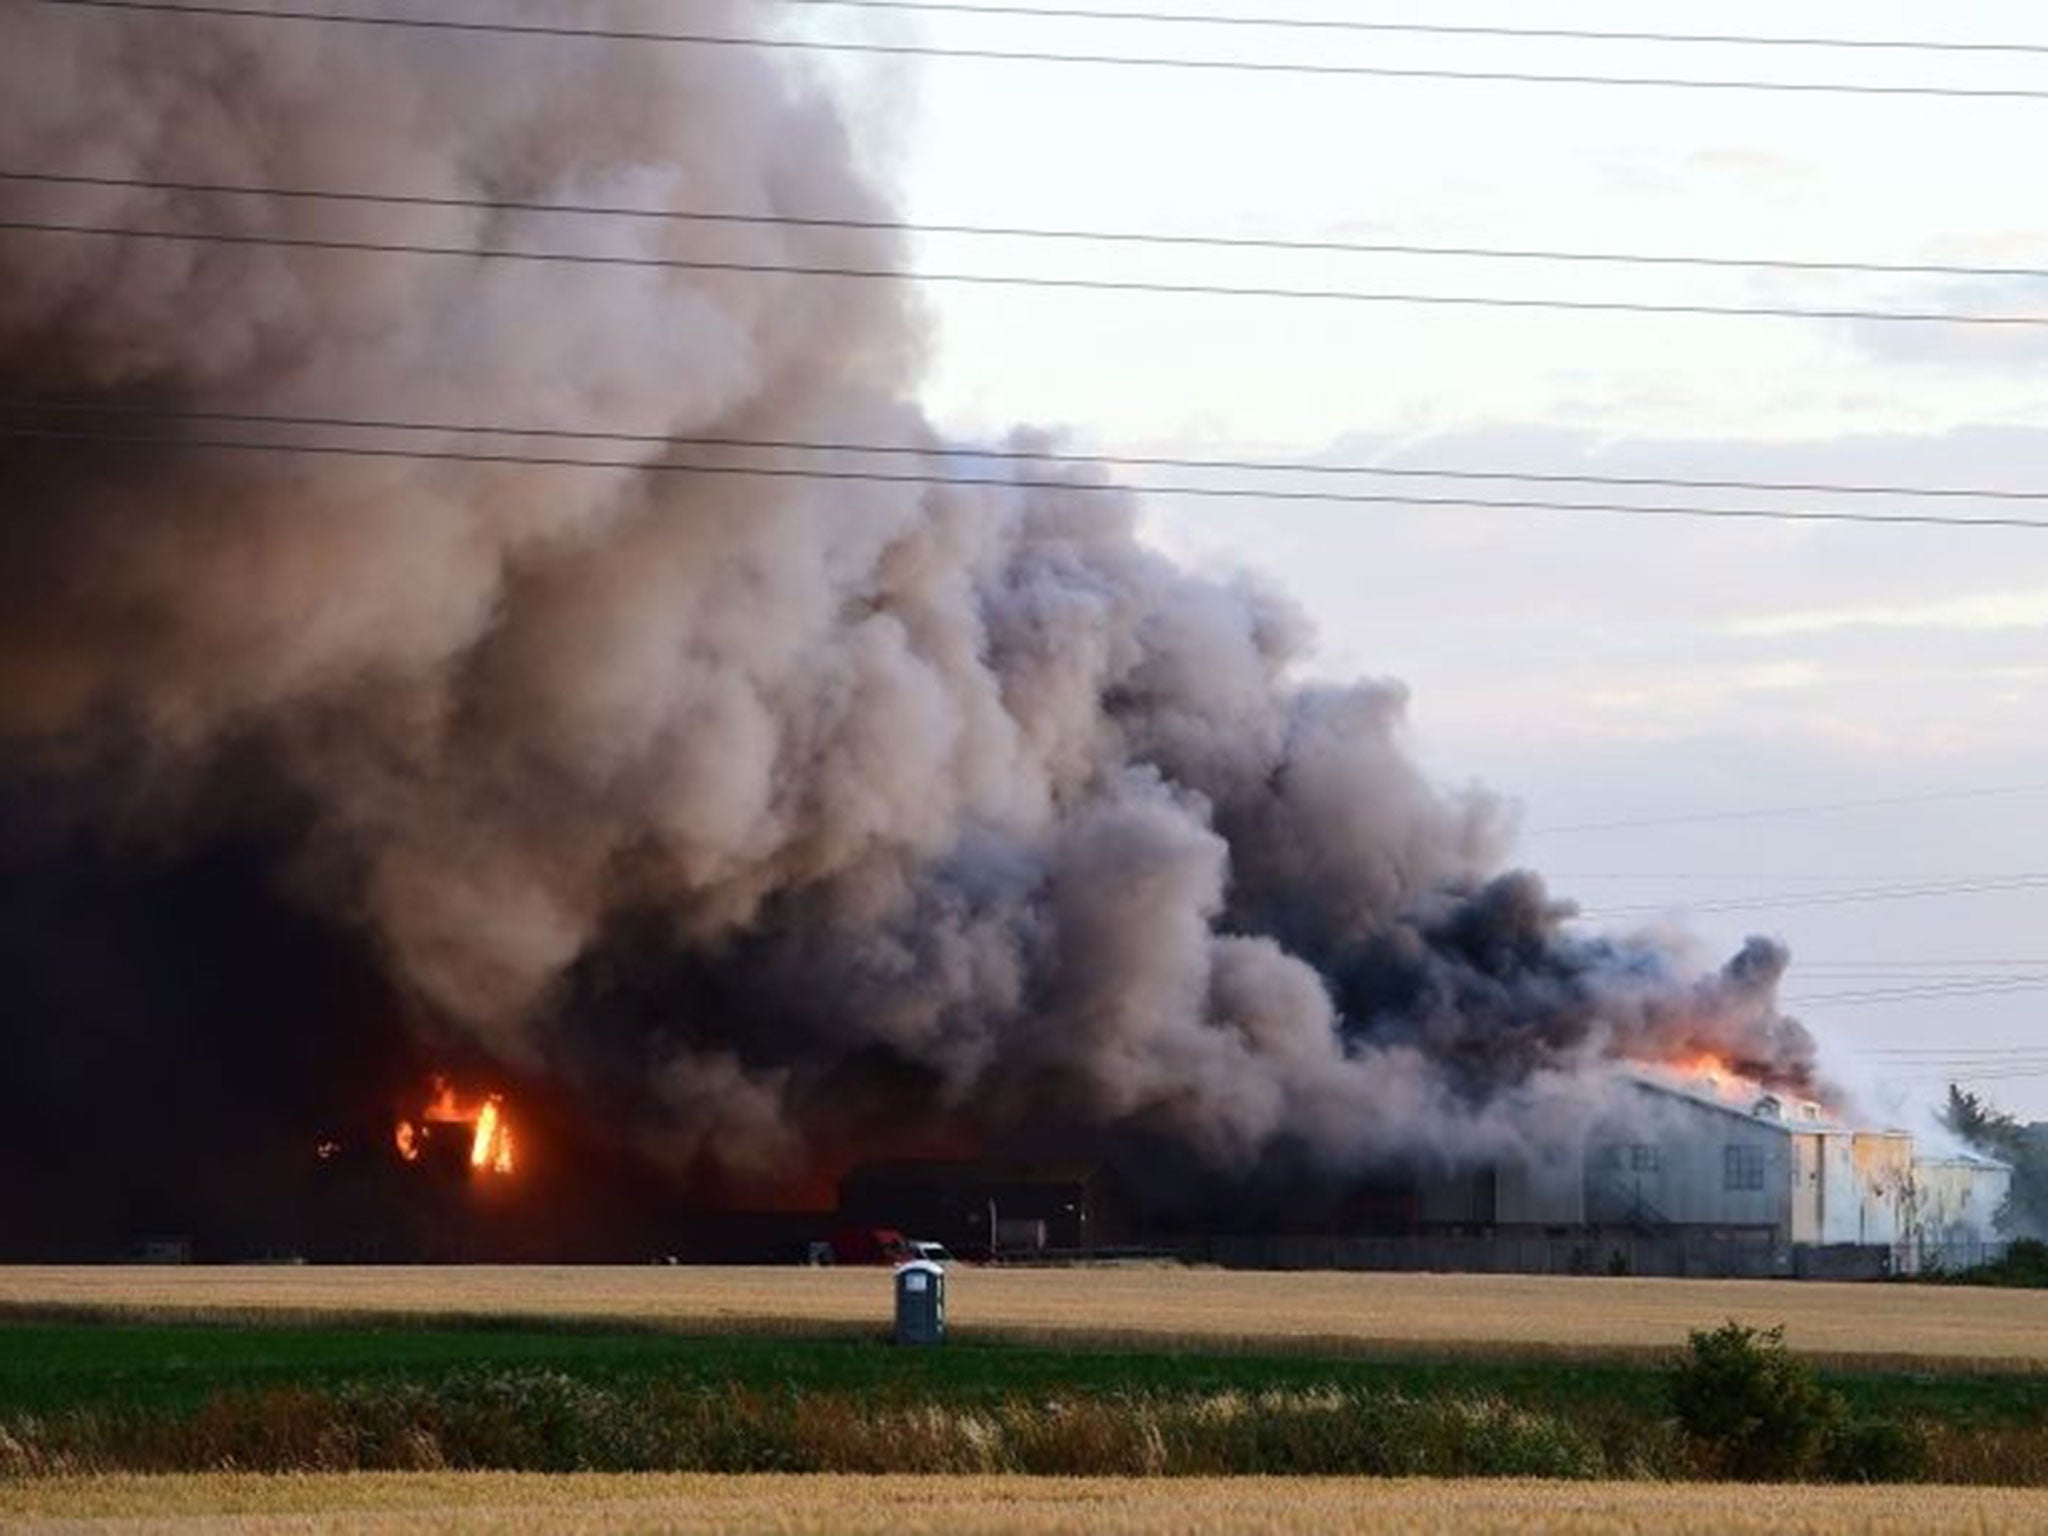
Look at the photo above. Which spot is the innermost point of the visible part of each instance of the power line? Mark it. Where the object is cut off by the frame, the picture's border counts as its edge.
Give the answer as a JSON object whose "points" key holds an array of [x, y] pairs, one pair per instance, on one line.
{"points": [[1420, 29], [1859, 988], [1808, 967], [1974, 1077], [1022, 280], [1032, 456], [1956, 1079], [1026, 232], [1324, 68], [1834, 898], [1892, 1078], [2000, 989], [1240, 493], [1838, 897], [1825, 807], [1987, 986], [1555, 876], [1804, 975]]}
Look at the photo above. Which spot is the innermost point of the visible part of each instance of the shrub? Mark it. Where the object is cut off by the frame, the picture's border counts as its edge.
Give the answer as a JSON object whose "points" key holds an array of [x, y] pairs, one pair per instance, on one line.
{"points": [[1751, 1408], [1875, 1451]]}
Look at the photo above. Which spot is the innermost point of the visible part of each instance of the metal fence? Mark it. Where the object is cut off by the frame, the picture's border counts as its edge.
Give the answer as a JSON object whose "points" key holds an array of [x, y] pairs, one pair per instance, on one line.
{"points": [[1945, 1258]]}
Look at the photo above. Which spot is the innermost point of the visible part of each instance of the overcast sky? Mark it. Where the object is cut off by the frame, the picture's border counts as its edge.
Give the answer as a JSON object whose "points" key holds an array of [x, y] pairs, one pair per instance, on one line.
{"points": [[1597, 670]]}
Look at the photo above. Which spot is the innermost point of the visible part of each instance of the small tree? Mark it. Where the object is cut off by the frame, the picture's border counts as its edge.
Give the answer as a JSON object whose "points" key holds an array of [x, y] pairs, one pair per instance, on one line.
{"points": [[1980, 1124], [1753, 1409], [1983, 1127]]}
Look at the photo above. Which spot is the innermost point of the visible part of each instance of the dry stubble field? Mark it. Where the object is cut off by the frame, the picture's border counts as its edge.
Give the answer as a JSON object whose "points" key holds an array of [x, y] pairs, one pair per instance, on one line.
{"points": [[416, 1503], [1488, 1314]]}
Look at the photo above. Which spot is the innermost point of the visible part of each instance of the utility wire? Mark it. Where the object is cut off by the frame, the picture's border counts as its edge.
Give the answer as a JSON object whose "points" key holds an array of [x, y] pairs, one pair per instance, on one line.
{"points": [[1024, 280], [1878, 969], [1418, 29], [1804, 974], [1934, 965], [1557, 876], [1963, 1072], [1964, 987], [1035, 457], [1797, 1005], [1040, 232], [1989, 986], [1869, 983], [1325, 68], [783, 472], [1834, 898], [1988, 989], [1823, 808]]}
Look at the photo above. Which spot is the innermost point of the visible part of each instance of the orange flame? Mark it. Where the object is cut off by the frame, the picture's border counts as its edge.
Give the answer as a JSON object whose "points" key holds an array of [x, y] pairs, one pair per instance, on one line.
{"points": [[1711, 1074], [491, 1146], [490, 1137], [1715, 1069]]}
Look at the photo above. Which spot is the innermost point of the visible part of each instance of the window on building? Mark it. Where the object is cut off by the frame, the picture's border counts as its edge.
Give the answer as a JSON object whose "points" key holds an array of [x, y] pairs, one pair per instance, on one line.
{"points": [[1742, 1166], [1629, 1157]]}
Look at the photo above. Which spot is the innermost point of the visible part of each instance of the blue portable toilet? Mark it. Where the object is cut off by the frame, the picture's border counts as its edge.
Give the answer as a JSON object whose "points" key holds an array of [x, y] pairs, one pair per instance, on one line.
{"points": [[920, 1303]]}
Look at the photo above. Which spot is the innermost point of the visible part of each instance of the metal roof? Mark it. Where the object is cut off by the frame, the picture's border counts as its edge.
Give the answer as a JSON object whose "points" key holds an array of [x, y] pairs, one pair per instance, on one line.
{"points": [[1704, 1100]]}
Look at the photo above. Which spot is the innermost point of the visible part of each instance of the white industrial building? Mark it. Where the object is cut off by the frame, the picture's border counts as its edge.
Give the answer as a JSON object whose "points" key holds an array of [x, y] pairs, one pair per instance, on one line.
{"points": [[1691, 1162]]}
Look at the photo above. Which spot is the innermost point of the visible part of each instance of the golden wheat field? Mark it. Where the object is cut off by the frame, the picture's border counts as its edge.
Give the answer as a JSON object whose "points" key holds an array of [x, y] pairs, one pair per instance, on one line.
{"points": [[1494, 1314], [410, 1504]]}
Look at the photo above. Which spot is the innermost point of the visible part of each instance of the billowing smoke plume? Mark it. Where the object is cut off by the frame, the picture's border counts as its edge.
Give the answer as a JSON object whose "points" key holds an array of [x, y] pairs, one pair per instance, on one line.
{"points": [[771, 818]]}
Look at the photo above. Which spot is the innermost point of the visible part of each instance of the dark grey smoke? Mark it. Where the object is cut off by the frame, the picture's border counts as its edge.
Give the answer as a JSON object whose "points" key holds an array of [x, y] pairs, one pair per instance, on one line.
{"points": [[773, 819]]}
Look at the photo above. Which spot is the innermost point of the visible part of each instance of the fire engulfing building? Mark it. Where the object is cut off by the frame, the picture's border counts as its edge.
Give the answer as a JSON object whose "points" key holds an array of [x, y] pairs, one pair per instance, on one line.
{"points": [[1705, 1178], [1699, 1175], [728, 829]]}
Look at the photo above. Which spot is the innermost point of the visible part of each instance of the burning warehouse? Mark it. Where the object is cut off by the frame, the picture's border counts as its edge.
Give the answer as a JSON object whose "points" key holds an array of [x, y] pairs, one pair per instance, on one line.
{"points": [[749, 822], [1705, 1175], [1693, 1172]]}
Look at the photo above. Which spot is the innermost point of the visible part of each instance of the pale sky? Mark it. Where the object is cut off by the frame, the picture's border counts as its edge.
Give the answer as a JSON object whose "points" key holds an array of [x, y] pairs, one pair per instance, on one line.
{"points": [[1594, 669]]}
